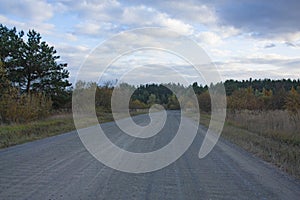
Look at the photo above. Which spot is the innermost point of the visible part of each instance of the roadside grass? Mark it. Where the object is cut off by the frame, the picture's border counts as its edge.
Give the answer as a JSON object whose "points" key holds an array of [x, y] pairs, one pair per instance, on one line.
{"points": [[14, 134], [270, 135], [20, 133]]}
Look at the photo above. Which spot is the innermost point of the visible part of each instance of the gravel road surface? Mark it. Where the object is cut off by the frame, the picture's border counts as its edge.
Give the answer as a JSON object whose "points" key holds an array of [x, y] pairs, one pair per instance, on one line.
{"points": [[60, 167]]}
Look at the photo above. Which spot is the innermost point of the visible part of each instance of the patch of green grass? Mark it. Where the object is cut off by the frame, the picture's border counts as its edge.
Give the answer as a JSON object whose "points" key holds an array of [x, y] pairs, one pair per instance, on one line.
{"points": [[21, 133], [14, 134]]}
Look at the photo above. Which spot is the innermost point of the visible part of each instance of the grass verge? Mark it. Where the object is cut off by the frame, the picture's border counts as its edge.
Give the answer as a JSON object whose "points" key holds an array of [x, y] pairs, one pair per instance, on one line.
{"points": [[21, 133], [14, 134], [276, 148]]}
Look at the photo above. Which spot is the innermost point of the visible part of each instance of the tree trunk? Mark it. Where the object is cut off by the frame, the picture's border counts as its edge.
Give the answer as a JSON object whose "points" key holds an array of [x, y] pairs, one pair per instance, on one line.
{"points": [[28, 85]]}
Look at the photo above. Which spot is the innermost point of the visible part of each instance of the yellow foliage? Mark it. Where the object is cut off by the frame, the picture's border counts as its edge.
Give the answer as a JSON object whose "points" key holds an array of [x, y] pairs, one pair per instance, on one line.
{"points": [[292, 102], [23, 108]]}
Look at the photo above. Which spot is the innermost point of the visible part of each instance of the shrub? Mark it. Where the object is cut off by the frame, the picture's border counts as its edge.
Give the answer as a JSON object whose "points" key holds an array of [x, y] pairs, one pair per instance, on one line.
{"points": [[18, 108]]}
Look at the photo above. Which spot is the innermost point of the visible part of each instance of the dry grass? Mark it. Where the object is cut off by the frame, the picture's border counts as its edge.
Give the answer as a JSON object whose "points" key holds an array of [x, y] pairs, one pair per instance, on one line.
{"points": [[20, 133], [13, 134], [272, 135], [277, 125]]}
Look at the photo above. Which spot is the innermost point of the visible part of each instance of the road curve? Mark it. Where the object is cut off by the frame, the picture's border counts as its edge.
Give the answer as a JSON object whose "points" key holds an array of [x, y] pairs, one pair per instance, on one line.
{"points": [[60, 167]]}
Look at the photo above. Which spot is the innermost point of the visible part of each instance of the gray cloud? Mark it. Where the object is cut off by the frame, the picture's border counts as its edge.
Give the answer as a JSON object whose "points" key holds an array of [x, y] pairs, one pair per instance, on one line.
{"points": [[271, 45], [260, 68], [290, 44], [280, 63], [262, 18]]}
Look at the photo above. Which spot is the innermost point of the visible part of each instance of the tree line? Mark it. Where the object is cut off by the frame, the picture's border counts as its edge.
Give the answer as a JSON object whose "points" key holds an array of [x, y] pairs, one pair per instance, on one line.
{"points": [[33, 82], [249, 94]]}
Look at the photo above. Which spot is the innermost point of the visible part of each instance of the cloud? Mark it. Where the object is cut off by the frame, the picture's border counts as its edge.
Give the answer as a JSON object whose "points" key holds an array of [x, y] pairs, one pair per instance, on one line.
{"points": [[278, 18], [10, 22], [270, 45], [164, 20], [71, 37], [274, 61], [74, 55], [210, 38], [115, 15], [225, 28], [190, 11], [176, 15], [226, 31], [290, 44], [91, 9], [29, 9], [242, 71], [43, 28], [88, 28], [219, 52], [198, 12]]}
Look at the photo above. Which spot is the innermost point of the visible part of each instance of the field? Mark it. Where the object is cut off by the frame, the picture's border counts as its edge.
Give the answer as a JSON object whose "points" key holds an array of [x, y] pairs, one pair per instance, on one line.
{"points": [[271, 135]]}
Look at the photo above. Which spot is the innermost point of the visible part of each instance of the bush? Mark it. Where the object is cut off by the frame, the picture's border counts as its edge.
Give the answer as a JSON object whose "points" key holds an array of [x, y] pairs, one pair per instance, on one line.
{"points": [[18, 108]]}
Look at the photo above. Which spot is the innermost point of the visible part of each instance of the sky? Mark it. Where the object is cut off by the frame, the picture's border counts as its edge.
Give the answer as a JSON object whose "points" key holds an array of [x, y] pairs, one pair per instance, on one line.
{"points": [[245, 38]]}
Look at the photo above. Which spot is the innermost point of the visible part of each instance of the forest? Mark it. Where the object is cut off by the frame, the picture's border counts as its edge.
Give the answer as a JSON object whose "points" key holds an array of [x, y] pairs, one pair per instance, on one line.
{"points": [[249, 94], [33, 84]]}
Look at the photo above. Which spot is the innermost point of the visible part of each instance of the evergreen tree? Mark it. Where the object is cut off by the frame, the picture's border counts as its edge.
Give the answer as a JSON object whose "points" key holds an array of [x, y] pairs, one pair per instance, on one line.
{"points": [[32, 65]]}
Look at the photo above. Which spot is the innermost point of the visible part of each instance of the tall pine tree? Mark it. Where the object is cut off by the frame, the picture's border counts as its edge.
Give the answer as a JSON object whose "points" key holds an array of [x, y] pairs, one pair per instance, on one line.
{"points": [[32, 65]]}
